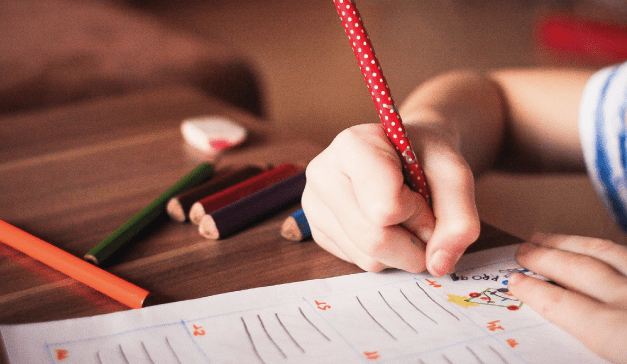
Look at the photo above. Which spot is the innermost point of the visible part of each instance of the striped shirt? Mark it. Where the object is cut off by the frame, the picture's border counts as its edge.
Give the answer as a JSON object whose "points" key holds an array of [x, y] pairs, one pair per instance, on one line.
{"points": [[603, 138]]}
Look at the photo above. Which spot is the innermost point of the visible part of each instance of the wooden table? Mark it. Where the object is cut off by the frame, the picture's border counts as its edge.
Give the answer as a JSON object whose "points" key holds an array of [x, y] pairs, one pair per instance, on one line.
{"points": [[73, 175]]}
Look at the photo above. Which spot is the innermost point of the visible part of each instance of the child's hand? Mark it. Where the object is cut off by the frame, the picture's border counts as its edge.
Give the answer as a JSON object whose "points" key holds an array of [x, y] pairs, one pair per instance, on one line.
{"points": [[360, 210], [592, 306]]}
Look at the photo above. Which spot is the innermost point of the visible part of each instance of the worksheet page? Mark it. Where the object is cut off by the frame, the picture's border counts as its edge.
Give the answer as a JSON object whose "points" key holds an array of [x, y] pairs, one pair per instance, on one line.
{"points": [[390, 317]]}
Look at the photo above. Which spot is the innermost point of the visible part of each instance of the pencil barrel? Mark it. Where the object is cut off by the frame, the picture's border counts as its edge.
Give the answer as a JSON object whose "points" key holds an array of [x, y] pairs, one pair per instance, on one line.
{"points": [[217, 184], [145, 217], [249, 187], [381, 94], [302, 223], [248, 210], [64, 262]]}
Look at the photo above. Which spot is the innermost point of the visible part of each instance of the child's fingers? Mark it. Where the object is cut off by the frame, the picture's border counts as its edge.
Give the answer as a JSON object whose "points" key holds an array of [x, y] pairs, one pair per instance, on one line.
{"points": [[604, 250], [322, 238], [391, 245], [362, 160], [359, 179], [457, 220], [380, 192], [422, 222], [578, 272], [369, 160], [597, 326], [328, 233], [327, 244]]}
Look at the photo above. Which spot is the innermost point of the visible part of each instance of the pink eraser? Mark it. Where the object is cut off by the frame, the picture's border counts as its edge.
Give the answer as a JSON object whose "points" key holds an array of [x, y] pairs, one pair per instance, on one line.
{"points": [[212, 133]]}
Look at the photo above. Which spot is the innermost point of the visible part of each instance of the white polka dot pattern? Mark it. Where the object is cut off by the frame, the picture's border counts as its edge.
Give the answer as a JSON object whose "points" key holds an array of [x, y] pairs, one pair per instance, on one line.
{"points": [[380, 92]]}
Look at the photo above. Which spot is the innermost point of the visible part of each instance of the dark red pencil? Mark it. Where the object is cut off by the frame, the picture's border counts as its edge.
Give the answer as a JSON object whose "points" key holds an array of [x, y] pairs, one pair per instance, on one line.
{"points": [[179, 206], [248, 210], [240, 190]]}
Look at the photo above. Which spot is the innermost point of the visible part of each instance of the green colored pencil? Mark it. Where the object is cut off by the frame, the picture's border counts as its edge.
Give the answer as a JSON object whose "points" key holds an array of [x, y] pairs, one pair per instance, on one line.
{"points": [[145, 217]]}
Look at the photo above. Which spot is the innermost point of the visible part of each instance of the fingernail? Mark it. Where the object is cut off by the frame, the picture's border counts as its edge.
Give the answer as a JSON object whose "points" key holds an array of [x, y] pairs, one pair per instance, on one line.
{"points": [[514, 279], [441, 262]]}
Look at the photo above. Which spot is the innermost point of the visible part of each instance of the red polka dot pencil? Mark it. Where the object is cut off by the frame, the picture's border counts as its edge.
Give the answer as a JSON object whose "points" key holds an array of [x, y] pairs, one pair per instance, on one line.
{"points": [[381, 96]]}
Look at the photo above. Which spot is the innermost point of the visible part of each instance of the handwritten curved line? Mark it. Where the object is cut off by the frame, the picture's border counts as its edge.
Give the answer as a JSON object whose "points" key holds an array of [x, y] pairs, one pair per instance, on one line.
{"points": [[397, 314], [167, 341], [288, 333], [499, 354], [270, 337], [375, 320], [475, 355], [447, 359], [434, 301], [147, 353], [312, 324], [252, 343], [123, 355], [416, 307]]}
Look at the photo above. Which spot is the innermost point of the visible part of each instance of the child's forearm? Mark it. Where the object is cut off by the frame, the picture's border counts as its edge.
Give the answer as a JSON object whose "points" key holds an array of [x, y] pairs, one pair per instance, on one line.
{"points": [[543, 107], [532, 113], [467, 110]]}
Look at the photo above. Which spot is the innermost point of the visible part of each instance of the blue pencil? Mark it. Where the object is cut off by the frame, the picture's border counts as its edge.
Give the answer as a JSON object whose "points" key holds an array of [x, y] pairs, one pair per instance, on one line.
{"points": [[296, 227]]}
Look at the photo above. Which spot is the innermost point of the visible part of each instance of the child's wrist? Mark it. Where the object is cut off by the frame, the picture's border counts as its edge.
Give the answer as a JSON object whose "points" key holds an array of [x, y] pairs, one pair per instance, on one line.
{"points": [[427, 123]]}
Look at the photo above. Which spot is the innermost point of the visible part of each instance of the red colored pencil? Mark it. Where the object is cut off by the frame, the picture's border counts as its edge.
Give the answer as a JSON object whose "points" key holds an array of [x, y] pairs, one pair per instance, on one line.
{"points": [[381, 96], [240, 190]]}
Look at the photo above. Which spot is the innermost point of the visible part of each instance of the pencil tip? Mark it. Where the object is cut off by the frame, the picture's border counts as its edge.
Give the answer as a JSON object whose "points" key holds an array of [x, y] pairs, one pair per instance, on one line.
{"points": [[196, 213], [175, 210], [290, 230], [90, 258], [208, 228]]}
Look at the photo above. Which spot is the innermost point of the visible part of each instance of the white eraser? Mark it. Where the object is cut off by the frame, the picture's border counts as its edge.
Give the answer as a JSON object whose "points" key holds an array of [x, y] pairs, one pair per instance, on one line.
{"points": [[212, 133]]}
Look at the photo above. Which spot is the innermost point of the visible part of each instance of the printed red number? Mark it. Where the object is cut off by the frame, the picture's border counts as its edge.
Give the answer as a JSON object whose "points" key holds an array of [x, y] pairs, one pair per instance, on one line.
{"points": [[198, 330], [372, 355], [61, 354], [433, 283], [492, 325], [512, 342], [322, 305]]}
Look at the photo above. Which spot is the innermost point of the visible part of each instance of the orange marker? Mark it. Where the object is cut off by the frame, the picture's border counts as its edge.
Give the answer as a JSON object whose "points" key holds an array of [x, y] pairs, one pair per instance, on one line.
{"points": [[77, 268]]}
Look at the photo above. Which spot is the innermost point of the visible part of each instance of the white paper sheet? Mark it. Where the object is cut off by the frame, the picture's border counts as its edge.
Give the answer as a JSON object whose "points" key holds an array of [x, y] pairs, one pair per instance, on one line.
{"points": [[392, 317]]}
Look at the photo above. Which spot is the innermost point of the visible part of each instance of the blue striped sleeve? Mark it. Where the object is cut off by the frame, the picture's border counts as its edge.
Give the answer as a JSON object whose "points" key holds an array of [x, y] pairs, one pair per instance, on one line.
{"points": [[603, 136]]}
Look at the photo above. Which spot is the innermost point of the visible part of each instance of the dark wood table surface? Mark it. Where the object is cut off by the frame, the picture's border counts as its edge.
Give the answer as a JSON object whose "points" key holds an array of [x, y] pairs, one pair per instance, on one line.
{"points": [[73, 174]]}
